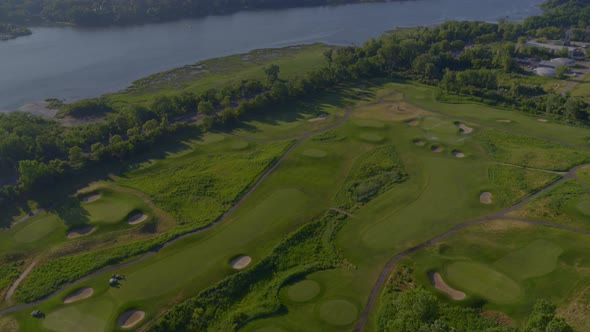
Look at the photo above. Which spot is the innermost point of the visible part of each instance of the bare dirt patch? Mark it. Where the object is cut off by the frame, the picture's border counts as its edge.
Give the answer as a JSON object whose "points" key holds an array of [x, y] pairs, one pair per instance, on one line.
{"points": [[241, 262], [78, 295], [320, 117], [463, 128], [129, 318], [437, 281], [485, 197], [504, 120], [80, 232], [436, 148], [137, 218], [90, 197], [458, 154]]}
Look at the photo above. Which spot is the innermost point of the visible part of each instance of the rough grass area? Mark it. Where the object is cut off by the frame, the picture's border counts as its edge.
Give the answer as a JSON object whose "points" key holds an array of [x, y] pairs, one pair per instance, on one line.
{"points": [[512, 183], [197, 186], [9, 272], [566, 204], [531, 152], [372, 173]]}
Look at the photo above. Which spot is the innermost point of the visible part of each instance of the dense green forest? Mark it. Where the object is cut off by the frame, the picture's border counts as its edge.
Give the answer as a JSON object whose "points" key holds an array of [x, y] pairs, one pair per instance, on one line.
{"points": [[472, 60], [104, 12]]}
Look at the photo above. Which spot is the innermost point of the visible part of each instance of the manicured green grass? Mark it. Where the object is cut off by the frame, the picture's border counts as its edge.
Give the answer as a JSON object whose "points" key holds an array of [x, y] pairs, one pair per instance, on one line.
{"points": [[536, 259], [304, 291], [338, 312], [113, 207], [36, 233]]}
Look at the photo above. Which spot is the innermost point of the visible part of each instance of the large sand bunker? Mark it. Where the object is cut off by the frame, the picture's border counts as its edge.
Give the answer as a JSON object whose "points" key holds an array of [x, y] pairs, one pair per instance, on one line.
{"points": [[485, 197], [78, 295], [80, 232], [137, 218], [241, 262], [464, 129], [90, 197], [437, 281], [129, 318]]}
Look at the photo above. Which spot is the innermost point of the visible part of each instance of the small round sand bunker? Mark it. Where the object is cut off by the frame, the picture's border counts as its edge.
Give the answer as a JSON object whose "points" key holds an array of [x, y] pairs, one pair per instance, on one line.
{"points": [[542, 120], [80, 232], [504, 120], [419, 142], [320, 117], [137, 218], [436, 148], [437, 281], [485, 197], [78, 295], [130, 318], [90, 197], [458, 154], [413, 123], [240, 262]]}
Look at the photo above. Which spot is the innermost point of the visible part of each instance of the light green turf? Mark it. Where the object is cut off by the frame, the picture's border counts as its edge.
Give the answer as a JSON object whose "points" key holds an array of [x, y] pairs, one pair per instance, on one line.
{"points": [[38, 232], [337, 312], [113, 207], [304, 291], [484, 281], [372, 137], [536, 259], [315, 153], [370, 124]]}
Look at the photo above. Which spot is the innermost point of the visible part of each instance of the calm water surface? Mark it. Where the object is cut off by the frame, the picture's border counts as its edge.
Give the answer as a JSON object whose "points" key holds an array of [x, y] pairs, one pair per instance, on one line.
{"points": [[73, 63]]}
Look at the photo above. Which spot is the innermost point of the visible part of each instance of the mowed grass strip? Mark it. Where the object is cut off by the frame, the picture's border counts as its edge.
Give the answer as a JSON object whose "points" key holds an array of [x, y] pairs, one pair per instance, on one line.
{"points": [[483, 280], [536, 259]]}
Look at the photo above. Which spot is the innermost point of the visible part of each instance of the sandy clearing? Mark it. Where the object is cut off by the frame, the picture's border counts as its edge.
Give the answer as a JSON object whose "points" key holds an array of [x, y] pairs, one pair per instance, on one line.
{"points": [[137, 218], [321, 117], [436, 148], [504, 121], [241, 262], [458, 154], [542, 120], [80, 232], [78, 295], [485, 197], [438, 282], [413, 123], [89, 198], [129, 318], [464, 128], [20, 278]]}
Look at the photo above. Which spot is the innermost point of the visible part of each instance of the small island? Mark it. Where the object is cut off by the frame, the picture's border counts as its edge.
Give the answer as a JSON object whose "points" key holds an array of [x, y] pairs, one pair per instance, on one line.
{"points": [[11, 31]]}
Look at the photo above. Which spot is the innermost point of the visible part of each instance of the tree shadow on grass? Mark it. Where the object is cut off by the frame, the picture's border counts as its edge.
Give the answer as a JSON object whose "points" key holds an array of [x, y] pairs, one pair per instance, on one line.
{"points": [[71, 211]]}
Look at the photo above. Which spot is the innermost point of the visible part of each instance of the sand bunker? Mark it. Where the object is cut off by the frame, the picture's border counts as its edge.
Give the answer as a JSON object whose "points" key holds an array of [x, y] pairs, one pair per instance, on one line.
{"points": [[78, 295], [464, 129], [241, 262], [458, 154], [485, 197], [90, 198], [80, 232], [321, 117], [436, 148], [437, 281], [413, 123], [504, 120], [419, 142], [137, 218], [542, 120], [129, 318]]}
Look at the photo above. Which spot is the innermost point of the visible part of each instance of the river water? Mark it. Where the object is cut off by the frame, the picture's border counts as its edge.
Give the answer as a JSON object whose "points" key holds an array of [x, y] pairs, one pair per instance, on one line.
{"points": [[73, 63]]}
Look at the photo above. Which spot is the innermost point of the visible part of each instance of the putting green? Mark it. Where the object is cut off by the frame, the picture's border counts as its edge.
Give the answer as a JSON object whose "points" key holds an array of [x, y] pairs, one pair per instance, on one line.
{"points": [[484, 281], [210, 139], [315, 153], [240, 145], [38, 229], [71, 318], [536, 259], [583, 205], [338, 312], [304, 291], [371, 137], [113, 207], [369, 124]]}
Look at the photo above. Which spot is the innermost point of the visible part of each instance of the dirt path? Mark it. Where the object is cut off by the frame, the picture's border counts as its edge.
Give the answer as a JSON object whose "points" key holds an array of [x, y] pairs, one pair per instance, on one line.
{"points": [[20, 279], [378, 285], [27, 217], [348, 214]]}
